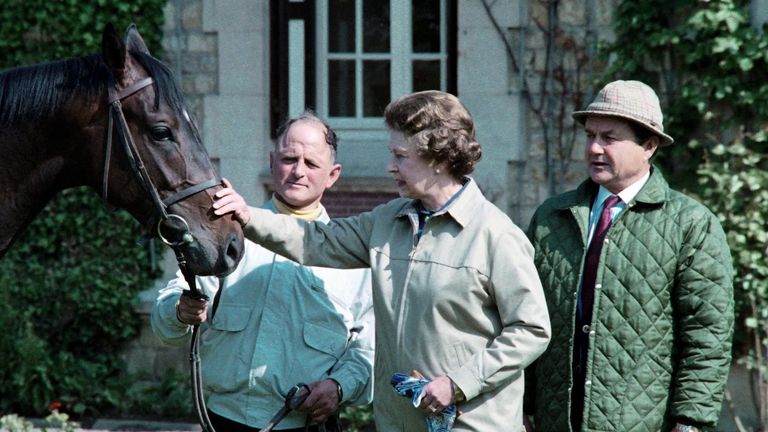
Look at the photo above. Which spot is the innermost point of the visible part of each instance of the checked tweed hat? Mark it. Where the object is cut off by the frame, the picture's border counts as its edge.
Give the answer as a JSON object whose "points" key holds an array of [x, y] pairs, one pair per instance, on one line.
{"points": [[631, 100]]}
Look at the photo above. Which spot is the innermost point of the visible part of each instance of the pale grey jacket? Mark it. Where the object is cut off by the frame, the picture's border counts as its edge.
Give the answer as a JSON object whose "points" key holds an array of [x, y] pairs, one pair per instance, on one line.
{"points": [[277, 323], [464, 301]]}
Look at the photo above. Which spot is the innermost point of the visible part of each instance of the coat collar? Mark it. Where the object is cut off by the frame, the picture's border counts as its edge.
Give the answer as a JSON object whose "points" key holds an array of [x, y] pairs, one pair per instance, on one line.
{"points": [[462, 209], [654, 192]]}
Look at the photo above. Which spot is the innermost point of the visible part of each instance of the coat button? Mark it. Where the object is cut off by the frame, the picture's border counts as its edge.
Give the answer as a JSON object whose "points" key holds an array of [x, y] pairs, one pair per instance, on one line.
{"points": [[598, 286], [588, 383]]}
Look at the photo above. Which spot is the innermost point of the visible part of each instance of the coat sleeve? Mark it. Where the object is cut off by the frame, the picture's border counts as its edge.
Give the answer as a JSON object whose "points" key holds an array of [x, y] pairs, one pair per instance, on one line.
{"points": [[164, 323], [704, 314], [519, 298], [341, 243]]}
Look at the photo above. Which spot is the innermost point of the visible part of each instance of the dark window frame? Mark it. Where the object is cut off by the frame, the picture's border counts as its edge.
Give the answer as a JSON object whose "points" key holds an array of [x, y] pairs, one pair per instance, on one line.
{"points": [[281, 11]]}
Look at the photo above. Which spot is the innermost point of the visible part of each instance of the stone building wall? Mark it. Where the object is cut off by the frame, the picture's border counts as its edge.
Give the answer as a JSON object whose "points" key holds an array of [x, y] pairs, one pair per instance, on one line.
{"points": [[190, 52], [567, 76]]}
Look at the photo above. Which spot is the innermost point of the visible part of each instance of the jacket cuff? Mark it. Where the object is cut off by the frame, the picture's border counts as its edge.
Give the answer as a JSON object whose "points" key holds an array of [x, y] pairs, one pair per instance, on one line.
{"points": [[466, 381], [168, 312], [345, 383]]}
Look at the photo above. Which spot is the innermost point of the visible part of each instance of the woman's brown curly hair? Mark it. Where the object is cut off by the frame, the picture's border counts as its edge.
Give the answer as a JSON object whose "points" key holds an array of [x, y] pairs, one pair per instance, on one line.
{"points": [[441, 126]]}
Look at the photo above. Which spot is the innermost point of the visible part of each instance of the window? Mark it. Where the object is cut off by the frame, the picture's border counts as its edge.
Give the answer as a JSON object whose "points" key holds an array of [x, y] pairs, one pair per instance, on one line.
{"points": [[370, 51], [348, 58]]}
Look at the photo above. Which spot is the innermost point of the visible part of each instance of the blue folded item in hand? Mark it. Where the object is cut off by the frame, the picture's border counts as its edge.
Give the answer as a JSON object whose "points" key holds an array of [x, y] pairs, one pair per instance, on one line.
{"points": [[412, 387]]}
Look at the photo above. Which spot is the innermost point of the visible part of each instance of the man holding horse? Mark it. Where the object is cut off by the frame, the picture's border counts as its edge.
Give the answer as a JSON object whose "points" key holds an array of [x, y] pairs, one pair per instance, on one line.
{"points": [[274, 323]]}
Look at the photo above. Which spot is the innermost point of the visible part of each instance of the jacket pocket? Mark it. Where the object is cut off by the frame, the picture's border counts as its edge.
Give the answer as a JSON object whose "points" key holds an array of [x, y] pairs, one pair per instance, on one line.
{"points": [[647, 392], [453, 356], [324, 339], [322, 349], [223, 350]]}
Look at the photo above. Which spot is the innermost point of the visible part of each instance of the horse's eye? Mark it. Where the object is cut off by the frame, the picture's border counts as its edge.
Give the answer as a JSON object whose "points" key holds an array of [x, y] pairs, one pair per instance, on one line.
{"points": [[162, 133]]}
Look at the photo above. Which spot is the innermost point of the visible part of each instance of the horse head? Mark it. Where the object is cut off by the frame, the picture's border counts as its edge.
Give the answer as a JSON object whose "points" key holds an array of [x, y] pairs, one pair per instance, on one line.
{"points": [[155, 165]]}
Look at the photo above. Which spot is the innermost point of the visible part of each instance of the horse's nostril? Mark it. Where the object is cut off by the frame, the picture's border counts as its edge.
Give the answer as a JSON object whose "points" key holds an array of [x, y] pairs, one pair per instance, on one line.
{"points": [[234, 250]]}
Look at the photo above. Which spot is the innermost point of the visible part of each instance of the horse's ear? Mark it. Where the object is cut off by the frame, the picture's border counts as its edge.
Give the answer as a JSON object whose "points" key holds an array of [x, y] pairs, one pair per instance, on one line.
{"points": [[114, 51], [134, 41]]}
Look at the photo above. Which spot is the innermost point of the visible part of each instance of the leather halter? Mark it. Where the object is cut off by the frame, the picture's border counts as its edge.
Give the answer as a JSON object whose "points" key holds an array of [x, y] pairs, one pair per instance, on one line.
{"points": [[117, 121]]}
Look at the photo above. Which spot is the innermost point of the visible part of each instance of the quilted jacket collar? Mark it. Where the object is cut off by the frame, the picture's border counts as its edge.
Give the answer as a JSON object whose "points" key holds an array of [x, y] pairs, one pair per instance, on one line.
{"points": [[654, 192]]}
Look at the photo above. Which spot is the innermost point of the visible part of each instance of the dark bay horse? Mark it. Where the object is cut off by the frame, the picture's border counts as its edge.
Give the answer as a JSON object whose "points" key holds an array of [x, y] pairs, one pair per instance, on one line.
{"points": [[116, 122]]}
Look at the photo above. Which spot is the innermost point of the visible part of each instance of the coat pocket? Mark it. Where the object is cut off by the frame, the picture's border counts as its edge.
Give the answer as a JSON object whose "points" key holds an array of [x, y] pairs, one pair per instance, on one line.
{"points": [[647, 392], [325, 340], [455, 356], [223, 350], [323, 348]]}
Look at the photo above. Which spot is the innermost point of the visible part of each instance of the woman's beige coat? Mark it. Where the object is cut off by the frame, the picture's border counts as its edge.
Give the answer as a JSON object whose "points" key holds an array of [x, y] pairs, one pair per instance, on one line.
{"points": [[464, 301]]}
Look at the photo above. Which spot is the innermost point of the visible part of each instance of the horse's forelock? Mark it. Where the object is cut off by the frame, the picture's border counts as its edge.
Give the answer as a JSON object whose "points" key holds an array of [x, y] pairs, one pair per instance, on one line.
{"points": [[164, 82]]}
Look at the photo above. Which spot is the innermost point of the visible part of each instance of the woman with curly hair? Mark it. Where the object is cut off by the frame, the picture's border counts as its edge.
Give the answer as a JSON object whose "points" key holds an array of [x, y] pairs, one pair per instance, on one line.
{"points": [[456, 293]]}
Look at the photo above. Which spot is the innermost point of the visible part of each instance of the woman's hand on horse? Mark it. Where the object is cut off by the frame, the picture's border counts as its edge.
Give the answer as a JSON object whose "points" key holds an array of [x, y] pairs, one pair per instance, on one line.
{"points": [[229, 201], [191, 311]]}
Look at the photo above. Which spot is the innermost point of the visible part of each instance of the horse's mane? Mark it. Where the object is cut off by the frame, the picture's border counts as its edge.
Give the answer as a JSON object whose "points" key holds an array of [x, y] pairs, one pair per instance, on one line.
{"points": [[40, 91]]}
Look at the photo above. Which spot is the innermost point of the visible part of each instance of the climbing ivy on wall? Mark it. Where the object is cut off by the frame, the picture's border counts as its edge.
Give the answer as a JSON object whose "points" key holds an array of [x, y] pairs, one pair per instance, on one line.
{"points": [[68, 285], [711, 66]]}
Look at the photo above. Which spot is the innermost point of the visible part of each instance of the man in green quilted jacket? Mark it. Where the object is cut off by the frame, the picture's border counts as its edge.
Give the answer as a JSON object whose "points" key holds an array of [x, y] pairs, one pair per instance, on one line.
{"points": [[638, 279]]}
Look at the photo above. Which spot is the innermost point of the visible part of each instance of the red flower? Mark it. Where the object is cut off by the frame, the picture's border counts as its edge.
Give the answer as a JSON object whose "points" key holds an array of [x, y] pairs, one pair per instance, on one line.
{"points": [[54, 406]]}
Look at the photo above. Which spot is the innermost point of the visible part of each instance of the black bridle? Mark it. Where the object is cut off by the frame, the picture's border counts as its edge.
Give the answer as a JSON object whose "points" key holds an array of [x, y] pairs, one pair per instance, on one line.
{"points": [[118, 123]]}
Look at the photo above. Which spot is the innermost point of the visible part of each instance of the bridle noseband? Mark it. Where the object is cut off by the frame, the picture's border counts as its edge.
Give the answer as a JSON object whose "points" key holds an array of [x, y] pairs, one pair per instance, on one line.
{"points": [[117, 121]]}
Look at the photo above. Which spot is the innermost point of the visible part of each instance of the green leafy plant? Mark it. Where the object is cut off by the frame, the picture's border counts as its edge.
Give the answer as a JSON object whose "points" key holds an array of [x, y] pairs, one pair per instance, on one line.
{"points": [[59, 420], [14, 423], [357, 418], [708, 64], [734, 181], [68, 291], [68, 285], [168, 398]]}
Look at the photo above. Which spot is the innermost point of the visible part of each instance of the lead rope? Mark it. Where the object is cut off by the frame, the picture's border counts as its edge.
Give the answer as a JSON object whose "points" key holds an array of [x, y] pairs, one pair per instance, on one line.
{"points": [[194, 350]]}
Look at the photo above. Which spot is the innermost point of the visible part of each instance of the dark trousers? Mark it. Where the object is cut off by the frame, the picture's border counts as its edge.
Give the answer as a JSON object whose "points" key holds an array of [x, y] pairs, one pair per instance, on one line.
{"points": [[223, 424]]}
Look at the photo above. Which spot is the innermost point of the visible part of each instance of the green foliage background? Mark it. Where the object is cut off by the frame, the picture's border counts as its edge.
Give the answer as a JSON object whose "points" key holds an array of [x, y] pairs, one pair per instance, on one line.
{"points": [[712, 68], [68, 285]]}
